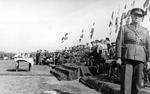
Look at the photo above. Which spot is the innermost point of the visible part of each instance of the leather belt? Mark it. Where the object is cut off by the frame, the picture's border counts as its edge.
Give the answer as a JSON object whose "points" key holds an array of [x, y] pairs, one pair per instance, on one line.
{"points": [[135, 42]]}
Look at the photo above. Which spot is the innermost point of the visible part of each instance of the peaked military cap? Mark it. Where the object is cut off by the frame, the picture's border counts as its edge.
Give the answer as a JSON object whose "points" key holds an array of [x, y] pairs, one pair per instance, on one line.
{"points": [[138, 11]]}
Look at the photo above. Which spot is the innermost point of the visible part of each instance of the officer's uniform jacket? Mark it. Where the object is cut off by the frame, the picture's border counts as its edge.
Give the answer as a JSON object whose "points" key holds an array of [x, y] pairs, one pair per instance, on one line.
{"points": [[132, 45]]}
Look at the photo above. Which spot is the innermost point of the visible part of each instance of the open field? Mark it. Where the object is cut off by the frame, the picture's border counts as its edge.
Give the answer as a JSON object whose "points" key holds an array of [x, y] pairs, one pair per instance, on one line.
{"points": [[36, 81]]}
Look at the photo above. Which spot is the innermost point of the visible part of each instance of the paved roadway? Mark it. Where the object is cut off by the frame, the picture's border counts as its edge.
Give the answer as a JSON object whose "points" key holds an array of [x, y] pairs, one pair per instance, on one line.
{"points": [[36, 81]]}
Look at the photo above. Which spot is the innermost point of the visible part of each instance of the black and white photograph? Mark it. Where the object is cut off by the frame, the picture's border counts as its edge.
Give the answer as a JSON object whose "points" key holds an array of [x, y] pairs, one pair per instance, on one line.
{"points": [[75, 47]]}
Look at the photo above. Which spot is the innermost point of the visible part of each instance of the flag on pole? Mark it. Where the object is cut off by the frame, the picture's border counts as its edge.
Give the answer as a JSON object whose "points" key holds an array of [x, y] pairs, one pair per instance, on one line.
{"points": [[116, 24], [116, 21], [110, 31], [133, 3], [80, 40], [92, 30], [125, 6], [110, 23], [66, 34], [62, 39], [146, 11], [81, 36], [146, 3], [112, 16], [65, 37], [123, 16]]}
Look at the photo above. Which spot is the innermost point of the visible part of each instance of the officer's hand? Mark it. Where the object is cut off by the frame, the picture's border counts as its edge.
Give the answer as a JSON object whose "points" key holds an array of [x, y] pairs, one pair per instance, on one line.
{"points": [[147, 62], [119, 61], [148, 65]]}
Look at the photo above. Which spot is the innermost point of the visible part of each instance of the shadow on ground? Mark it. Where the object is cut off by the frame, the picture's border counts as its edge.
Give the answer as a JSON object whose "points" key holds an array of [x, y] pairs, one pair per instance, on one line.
{"points": [[14, 70], [62, 92]]}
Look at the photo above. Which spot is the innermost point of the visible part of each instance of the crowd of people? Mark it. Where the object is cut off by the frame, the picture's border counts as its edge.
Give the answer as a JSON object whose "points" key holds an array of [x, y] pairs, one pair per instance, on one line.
{"points": [[96, 53]]}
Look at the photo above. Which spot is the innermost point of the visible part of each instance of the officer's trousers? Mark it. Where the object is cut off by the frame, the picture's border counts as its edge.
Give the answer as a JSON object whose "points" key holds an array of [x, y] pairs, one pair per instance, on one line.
{"points": [[132, 77]]}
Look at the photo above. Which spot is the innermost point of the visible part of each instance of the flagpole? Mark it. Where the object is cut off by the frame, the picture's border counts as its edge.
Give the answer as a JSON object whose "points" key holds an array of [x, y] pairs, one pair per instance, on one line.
{"points": [[92, 31]]}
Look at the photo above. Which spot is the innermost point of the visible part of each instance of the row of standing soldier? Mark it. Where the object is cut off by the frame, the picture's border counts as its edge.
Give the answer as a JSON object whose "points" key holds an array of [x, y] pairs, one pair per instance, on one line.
{"points": [[95, 55]]}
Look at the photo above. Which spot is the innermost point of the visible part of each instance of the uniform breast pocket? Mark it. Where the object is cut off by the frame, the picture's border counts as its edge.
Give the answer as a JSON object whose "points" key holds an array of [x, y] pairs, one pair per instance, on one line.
{"points": [[129, 36]]}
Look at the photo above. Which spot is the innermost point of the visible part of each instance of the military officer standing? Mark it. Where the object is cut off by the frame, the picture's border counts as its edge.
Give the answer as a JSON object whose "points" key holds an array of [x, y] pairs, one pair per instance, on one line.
{"points": [[132, 49]]}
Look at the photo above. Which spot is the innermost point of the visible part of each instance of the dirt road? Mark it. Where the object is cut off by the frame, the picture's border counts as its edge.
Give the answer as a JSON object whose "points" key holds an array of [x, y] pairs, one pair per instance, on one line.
{"points": [[36, 81]]}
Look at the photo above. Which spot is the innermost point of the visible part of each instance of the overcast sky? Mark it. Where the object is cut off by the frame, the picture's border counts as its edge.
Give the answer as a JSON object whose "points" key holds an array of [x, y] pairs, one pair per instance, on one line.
{"points": [[29, 25]]}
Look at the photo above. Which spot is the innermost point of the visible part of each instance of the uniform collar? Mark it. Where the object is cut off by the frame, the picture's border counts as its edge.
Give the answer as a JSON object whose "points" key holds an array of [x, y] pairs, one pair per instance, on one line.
{"points": [[135, 26]]}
